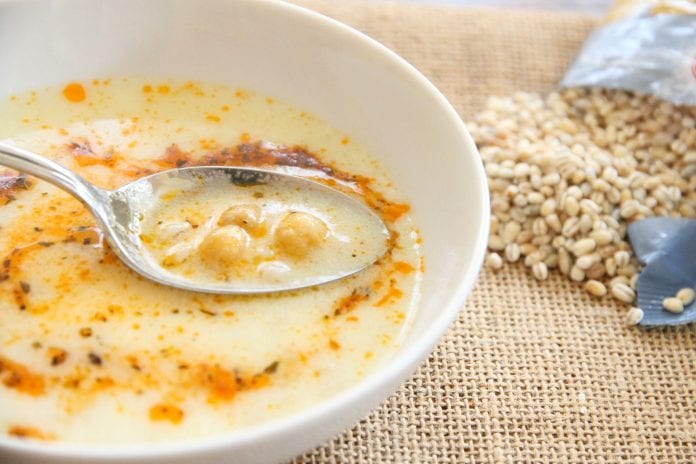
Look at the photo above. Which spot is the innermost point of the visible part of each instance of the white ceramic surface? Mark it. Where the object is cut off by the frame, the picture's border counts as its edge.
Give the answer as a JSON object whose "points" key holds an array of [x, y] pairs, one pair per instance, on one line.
{"points": [[316, 64]]}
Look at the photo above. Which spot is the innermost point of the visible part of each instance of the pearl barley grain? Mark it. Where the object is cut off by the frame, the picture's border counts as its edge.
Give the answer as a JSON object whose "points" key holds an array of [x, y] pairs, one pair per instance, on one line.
{"points": [[686, 295], [621, 258], [634, 316], [577, 274], [673, 305], [623, 292], [512, 252], [583, 247], [511, 231], [540, 271], [595, 288], [587, 261], [570, 171], [494, 261]]}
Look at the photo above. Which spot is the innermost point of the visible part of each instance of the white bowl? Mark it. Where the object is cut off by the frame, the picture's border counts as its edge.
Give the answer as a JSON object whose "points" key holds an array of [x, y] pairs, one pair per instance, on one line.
{"points": [[316, 64]]}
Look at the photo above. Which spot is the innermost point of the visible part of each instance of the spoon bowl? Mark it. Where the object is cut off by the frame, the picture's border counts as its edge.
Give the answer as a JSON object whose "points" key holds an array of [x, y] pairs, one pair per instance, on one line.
{"points": [[120, 214]]}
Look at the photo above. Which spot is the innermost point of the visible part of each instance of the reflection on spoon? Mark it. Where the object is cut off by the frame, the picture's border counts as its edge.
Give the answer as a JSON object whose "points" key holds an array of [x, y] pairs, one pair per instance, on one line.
{"points": [[140, 222]]}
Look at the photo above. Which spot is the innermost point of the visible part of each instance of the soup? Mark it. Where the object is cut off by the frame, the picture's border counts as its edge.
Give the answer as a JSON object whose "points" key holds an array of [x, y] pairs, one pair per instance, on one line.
{"points": [[90, 352], [253, 230]]}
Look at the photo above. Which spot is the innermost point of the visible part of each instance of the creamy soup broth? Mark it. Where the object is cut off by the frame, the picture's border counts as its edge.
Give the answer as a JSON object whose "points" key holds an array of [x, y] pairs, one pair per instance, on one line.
{"points": [[256, 235], [91, 352]]}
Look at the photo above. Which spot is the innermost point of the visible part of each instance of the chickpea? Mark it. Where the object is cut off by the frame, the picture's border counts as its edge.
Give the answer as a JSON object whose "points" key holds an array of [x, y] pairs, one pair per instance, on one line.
{"points": [[297, 233], [224, 246], [249, 217]]}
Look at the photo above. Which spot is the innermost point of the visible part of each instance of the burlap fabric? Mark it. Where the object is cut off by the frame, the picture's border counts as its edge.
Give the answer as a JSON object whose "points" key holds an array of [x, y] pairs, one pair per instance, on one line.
{"points": [[531, 372]]}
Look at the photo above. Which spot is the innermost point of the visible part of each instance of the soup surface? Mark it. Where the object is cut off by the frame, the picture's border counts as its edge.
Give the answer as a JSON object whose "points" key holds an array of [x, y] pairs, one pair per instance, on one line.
{"points": [[91, 352]]}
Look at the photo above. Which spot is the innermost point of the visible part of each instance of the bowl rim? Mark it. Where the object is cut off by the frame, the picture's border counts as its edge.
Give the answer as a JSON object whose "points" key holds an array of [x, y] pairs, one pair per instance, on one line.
{"points": [[402, 363]]}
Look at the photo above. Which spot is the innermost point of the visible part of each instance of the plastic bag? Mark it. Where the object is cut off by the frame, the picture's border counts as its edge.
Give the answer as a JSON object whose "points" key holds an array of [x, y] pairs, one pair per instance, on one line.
{"points": [[666, 247], [647, 46]]}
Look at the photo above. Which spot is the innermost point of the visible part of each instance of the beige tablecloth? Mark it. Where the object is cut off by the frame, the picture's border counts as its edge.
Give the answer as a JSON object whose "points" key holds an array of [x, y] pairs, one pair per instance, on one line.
{"points": [[531, 372]]}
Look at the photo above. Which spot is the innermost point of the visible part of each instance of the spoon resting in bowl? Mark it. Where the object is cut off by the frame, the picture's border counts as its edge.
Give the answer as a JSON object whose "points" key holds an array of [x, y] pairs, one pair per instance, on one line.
{"points": [[312, 214]]}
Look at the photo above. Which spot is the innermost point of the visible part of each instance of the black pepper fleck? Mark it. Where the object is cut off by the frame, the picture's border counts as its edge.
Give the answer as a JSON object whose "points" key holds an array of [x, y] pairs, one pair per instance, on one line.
{"points": [[271, 368]]}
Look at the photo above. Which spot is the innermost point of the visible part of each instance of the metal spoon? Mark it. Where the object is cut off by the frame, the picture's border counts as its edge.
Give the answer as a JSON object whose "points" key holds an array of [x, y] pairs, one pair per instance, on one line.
{"points": [[120, 212]]}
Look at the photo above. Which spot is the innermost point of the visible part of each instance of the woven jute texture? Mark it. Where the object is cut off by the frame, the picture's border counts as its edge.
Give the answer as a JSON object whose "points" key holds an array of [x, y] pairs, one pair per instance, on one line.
{"points": [[530, 372]]}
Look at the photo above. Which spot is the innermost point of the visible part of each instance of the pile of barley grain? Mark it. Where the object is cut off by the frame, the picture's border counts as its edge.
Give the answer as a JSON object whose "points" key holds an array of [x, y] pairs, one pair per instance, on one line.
{"points": [[567, 174]]}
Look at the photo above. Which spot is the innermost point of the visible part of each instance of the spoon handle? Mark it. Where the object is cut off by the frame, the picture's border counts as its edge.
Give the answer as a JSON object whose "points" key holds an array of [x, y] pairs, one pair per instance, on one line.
{"points": [[31, 163]]}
